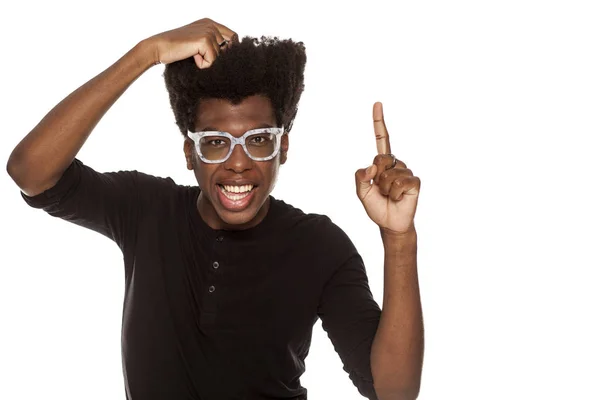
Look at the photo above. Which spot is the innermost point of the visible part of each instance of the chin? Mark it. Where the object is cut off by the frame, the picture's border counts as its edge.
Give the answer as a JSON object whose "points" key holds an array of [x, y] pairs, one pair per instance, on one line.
{"points": [[239, 217], [239, 220]]}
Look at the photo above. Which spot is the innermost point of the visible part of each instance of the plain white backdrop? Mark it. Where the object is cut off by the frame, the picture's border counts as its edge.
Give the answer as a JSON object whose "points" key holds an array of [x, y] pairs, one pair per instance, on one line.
{"points": [[494, 105]]}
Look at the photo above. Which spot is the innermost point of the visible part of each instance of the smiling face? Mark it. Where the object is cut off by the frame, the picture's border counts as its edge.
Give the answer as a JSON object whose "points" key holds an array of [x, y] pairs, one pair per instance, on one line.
{"points": [[223, 202]]}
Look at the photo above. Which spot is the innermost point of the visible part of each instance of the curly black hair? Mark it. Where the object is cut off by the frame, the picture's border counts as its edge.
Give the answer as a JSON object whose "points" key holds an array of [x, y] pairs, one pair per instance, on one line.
{"points": [[269, 66]]}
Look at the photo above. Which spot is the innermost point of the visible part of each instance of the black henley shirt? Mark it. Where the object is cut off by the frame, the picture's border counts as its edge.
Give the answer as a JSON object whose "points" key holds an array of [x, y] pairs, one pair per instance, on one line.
{"points": [[215, 314]]}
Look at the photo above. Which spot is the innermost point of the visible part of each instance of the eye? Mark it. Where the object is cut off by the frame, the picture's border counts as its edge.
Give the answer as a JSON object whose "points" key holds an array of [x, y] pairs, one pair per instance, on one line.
{"points": [[258, 139], [216, 142]]}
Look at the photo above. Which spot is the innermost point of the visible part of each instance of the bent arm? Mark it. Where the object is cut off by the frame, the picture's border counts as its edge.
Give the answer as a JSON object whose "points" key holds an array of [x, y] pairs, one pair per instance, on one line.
{"points": [[41, 157]]}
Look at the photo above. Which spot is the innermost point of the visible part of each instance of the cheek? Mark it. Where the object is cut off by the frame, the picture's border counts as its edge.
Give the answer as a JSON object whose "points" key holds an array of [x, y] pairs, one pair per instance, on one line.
{"points": [[203, 174], [271, 172]]}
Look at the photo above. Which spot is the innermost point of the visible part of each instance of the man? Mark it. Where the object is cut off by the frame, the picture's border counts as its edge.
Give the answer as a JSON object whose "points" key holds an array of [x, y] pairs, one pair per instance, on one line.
{"points": [[224, 282]]}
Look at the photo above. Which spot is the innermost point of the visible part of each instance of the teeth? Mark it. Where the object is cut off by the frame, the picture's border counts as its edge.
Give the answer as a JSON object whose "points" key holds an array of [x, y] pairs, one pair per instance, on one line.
{"points": [[238, 189], [229, 190]]}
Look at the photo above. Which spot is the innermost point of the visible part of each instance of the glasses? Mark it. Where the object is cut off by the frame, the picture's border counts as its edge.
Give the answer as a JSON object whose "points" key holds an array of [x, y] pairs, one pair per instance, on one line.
{"points": [[260, 144]]}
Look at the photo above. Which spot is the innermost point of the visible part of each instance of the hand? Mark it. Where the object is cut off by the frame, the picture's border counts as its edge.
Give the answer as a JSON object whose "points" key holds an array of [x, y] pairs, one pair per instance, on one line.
{"points": [[203, 39], [391, 200]]}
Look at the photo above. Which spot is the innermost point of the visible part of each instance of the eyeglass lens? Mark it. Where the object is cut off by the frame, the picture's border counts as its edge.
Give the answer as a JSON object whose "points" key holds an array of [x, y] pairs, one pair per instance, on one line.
{"points": [[259, 145]]}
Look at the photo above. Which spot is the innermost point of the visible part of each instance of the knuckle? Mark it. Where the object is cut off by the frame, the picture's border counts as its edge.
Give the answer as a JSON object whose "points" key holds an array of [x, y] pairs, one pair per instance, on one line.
{"points": [[204, 40], [202, 21], [209, 56]]}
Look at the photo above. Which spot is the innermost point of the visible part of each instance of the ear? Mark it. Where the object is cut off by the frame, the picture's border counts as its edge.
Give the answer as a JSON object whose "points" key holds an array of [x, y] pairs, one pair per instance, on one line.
{"points": [[188, 149], [285, 144]]}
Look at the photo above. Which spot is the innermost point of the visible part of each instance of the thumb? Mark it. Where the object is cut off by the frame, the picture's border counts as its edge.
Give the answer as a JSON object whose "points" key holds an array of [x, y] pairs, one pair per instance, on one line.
{"points": [[363, 178]]}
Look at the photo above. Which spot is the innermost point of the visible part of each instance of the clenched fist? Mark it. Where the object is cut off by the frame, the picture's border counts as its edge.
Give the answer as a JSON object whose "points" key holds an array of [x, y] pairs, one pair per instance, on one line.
{"points": [[203, 40]]}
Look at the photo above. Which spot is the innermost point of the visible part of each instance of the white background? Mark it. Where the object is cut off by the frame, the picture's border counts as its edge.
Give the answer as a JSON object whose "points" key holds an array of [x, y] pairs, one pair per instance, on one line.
{"points": [[494, 105]]}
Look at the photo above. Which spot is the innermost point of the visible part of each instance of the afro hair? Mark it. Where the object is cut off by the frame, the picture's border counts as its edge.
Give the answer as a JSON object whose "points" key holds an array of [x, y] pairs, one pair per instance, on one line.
{"points": [[269, 66]]}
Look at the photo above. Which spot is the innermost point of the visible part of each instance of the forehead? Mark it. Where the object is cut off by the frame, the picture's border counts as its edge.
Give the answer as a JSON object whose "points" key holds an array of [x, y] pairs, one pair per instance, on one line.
{"points": [[221, 114]]}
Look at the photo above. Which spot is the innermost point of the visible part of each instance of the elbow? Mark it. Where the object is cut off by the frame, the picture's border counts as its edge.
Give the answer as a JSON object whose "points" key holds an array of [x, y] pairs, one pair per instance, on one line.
{"points": [[11, 165], [16, 166], [21, 173], [12, 168]]}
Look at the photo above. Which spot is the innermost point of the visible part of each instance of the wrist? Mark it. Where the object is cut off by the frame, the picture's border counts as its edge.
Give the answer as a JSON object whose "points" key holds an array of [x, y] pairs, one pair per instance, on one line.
{"points": [[396, 240], [146, 53], [411, 232]]}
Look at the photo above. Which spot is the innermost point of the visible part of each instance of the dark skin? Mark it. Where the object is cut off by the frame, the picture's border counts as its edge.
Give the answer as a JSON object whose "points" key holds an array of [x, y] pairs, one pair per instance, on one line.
{"points": [[40, 159], [390, 194], [220, 114]]}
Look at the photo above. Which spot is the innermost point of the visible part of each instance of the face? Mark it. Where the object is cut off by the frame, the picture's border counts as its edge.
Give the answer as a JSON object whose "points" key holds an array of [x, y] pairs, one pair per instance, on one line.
{"points": [[222, 202]]}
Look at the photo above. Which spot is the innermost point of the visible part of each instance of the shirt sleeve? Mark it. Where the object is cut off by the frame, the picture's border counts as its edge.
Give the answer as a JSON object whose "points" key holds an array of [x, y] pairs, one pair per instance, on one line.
{"points": [[108, 203], [350, 316]]}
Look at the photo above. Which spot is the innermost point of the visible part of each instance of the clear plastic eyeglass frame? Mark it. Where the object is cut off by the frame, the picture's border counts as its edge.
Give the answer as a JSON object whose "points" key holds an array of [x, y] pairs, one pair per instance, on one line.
{"points": [[197, 136]]}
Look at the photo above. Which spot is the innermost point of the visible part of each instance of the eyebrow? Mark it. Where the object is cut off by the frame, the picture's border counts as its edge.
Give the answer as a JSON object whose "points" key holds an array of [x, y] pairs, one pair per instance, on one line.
{"points": [[210, 128]]}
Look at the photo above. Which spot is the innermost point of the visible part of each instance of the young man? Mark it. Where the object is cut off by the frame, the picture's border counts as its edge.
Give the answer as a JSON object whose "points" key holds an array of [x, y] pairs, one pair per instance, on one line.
{"points": [[224, 282]]}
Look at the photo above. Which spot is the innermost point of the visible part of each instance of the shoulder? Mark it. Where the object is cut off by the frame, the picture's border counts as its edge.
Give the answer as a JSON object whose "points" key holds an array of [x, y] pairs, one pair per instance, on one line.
{"points": [[164, 192], [291, 217], [316, 229], [147, 190]]}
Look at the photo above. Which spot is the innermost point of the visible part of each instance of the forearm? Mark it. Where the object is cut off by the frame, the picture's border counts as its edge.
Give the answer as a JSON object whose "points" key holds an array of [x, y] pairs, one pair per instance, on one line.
{"points": [[397, 350], [39, 160]]}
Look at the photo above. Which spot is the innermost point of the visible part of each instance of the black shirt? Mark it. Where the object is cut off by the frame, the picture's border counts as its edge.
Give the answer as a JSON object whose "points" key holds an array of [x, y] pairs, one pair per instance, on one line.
{"points": [[215, 314]]}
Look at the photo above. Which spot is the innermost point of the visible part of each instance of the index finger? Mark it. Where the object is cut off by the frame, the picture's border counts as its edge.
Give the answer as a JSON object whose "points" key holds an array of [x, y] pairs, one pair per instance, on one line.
{"points": [[381, 134]]}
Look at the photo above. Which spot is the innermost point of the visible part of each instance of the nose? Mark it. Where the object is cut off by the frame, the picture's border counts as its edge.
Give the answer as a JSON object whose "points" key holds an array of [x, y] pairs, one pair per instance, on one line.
{"points": [[238, 161]]}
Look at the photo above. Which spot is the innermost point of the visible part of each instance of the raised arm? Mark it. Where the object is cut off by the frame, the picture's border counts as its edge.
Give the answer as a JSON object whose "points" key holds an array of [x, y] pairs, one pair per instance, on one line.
{"points": [[39, 160]]}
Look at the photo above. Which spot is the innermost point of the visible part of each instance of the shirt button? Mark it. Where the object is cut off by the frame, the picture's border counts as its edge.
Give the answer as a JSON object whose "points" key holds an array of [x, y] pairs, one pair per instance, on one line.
{"points": [[211, 289], [215, 265], [219, 238]]}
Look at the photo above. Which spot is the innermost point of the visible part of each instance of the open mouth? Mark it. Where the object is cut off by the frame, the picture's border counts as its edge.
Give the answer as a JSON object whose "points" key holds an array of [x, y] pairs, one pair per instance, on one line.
{"points": [[236, 197], [236, 193]]}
